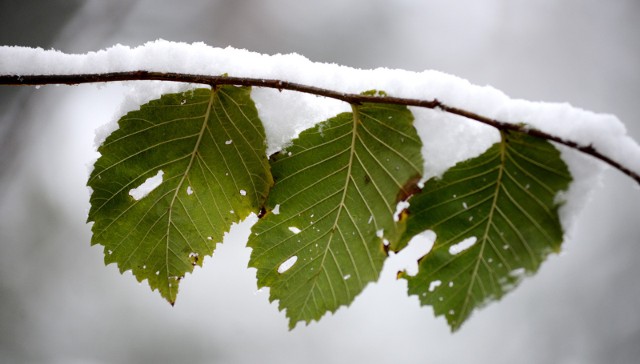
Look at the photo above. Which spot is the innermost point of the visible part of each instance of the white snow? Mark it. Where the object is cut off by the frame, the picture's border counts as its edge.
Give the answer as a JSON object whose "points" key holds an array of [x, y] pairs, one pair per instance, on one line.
{"points": [[401, 206], [407, 259], [447, 138], [147, 186]]}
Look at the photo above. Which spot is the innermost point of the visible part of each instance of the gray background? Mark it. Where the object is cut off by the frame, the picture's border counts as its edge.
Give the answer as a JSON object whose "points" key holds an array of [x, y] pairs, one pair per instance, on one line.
{"points": [[59, 304]]}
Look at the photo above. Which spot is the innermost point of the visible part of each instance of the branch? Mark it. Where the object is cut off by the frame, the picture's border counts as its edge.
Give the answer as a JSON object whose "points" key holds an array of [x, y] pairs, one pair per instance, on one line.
{"points": [[33, 80]]}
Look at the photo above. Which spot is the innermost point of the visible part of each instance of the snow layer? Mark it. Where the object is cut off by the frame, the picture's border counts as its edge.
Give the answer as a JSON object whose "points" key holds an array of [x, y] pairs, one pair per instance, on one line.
{"points": [[447, 139]]}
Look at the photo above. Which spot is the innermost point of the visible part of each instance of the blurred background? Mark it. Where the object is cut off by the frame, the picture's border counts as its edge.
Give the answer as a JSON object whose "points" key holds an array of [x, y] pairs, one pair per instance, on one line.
{"points": [[60, 304]]}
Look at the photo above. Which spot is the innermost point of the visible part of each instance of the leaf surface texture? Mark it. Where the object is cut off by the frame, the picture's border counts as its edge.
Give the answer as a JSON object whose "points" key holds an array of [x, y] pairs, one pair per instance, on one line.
{"points": [[207, 147], [495, 218], [335, 194]]}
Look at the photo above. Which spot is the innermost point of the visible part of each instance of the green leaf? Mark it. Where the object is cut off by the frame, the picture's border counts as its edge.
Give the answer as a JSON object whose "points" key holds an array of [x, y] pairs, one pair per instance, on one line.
{"points": [[335, 194], [504, 203], [208, 148]]}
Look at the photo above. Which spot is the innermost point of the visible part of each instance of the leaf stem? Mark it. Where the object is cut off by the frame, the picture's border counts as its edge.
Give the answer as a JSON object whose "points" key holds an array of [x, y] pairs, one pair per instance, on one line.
{"points": [[355, 99]]}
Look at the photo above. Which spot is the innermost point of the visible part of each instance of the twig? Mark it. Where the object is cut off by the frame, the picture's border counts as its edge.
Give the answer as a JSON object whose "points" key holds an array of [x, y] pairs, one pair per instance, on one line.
{"points": [[76, 79]]}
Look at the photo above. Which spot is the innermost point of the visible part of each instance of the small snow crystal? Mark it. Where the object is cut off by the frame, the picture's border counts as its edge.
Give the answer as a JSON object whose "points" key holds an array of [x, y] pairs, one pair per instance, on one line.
{"points": [[147, 186], [189, 190], [228, 142], [276, 210], [287, 264], [243, 192]]}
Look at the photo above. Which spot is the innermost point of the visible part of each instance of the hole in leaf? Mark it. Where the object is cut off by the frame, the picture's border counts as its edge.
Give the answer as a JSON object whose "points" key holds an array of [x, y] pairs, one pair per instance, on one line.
{"points": [[147, 186], [462, 246], [194, 258], [434, 284], [409, 257], [287, 264], [294, 230]]}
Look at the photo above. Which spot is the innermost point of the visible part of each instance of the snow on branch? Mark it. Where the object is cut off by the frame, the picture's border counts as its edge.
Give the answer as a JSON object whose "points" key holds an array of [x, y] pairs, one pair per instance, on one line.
{"points": [[213, 81], [455, 119]]}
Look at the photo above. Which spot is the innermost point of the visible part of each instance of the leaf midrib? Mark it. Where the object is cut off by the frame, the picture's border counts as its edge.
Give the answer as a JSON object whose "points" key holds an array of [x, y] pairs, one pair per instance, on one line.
{"points": [[483, 243], [205, 121], [355, 121]]}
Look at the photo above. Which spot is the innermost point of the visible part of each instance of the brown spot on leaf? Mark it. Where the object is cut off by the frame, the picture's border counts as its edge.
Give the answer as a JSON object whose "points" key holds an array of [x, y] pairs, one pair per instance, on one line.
{"points": [[385, 249], [404, 214], [262, 212], [409, 189]]}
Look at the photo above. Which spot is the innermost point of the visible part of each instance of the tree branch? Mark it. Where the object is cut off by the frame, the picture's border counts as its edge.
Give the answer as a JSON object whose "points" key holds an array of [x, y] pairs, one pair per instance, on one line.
{"points": [[76, 79]]}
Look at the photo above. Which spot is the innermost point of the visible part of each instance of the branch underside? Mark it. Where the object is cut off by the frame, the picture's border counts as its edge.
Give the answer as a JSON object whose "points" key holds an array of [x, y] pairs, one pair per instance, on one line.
{"points": [[356, 99]]}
